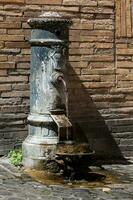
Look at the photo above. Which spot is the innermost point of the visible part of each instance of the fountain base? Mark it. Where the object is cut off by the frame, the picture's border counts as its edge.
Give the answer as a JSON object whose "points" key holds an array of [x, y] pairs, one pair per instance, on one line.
{"points": [[36, 151], [40, 144], [74, 160]]}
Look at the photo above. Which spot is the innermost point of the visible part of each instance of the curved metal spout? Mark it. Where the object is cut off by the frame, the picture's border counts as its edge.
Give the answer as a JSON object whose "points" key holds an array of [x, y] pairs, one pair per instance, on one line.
{"points": [[61, 79]]}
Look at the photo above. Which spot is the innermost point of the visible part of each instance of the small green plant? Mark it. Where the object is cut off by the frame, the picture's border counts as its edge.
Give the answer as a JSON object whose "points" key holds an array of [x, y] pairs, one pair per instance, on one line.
{"points": [[15, 157]]}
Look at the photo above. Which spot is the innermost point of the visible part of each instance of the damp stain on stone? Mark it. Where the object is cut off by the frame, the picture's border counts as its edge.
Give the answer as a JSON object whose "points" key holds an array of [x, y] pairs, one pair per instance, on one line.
{"points": [[96, 178]]}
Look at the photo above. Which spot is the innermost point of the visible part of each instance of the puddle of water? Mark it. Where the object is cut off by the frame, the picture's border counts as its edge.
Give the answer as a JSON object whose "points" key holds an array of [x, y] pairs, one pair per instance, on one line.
{"points": [[98, 178]]}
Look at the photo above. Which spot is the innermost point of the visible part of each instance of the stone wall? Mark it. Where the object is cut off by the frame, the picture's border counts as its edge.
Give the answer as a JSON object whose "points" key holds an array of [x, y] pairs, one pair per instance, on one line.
{"points": [[100, 71]]}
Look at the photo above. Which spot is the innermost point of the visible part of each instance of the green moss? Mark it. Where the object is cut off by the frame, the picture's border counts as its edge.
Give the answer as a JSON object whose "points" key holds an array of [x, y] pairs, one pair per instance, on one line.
{"points": [[15, 157]]}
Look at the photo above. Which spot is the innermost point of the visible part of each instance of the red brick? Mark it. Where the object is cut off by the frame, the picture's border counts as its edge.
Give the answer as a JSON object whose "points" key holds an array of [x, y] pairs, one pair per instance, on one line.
{"points": [[19, 58], [80, 51], [18, 32], [10, 101], [43, 2], [125, 64], [98, 85], [82, 25], [61, 8], [17, 44], [12, 1], [32, 7], [79, 64], [10, 79], [74, 58], [104, 25], [80, 2], [96, 39], [97, 33], [96, 10], [124, 83], [15, 94], [5, 87], [7, 65], [87, 45], [124, 58], [15, 109], [10, 25], [20, 87], [125, 77], [90, 78], [106, 3], [25, 51], [104, 45], [121, 46], [98, 58], [3, 72], [110, 78], [74, 45], [98, 71], [107, 97], [12, 38], [10, 13], [122, 71], [3, 31], [23, 65], [102, 65], [3, 58], [124, 51], [12, 7]]}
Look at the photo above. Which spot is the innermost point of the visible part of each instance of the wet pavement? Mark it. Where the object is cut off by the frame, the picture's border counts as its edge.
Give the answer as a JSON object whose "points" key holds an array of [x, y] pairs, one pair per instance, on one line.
{"points": [[14, 185]]}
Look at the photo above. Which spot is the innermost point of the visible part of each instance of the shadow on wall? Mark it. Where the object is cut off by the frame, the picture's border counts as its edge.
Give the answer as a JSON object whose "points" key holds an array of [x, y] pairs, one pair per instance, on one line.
{"points": [[88, 124]]}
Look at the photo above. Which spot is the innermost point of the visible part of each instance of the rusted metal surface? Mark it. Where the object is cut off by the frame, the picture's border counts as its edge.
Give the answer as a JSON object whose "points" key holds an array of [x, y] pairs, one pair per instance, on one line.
{"points": [[61, 121]]}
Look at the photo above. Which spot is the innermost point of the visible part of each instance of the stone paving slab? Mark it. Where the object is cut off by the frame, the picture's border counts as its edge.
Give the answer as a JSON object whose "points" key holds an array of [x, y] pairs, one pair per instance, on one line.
{"points": [[24, 188]]}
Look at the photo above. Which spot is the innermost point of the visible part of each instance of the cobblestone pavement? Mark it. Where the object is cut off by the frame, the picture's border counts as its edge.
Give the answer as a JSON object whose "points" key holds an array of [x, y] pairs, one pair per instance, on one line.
{"points": [[13, 187]]}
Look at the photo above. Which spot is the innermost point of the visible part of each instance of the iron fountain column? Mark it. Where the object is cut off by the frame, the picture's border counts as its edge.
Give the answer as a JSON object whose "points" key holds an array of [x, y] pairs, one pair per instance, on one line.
{"points": [[49, 38]]}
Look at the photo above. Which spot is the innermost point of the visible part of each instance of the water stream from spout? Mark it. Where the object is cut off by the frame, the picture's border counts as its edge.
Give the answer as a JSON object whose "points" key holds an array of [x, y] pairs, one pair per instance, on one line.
{"points": [[66, 103]]}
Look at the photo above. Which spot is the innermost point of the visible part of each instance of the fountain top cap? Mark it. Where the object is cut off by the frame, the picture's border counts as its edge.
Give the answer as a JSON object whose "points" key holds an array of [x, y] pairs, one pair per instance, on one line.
{"points": [[49, 19]]}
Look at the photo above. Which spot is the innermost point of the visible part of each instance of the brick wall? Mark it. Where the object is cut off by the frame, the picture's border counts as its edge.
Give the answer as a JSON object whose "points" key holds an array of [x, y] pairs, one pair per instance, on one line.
{"points": [[100, 71]]}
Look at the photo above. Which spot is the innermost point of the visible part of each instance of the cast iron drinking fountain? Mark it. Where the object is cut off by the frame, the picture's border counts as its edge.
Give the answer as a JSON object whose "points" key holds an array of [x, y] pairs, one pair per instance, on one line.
{"points": [[50, 145]]}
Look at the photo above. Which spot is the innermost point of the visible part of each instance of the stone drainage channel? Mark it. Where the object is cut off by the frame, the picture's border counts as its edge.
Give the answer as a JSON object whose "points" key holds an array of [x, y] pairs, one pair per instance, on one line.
{"points": [[15, 184]]}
